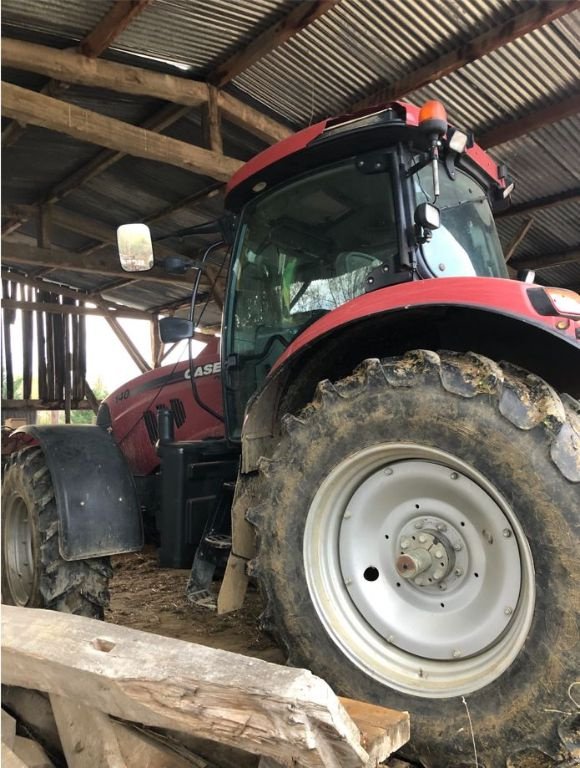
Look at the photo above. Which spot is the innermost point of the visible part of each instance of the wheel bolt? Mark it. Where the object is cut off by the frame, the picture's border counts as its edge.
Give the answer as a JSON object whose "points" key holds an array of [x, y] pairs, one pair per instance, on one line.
{"points": [[454, 476], [506, 533], [458, 571], [388, 471], [456, 654], [418, 524], [441, 527], [405, 543], [422, 539], [457, 547], [508, 611], [443, 586]]}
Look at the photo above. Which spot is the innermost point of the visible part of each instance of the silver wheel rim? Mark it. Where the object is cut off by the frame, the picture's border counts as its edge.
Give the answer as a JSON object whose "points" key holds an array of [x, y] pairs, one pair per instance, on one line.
{"points": [[463, 616], [18, 555]]}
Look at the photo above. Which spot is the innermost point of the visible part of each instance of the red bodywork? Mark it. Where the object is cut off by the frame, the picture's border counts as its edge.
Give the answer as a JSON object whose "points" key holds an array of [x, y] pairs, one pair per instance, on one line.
{"points": [[505, 297], [300, 140], [167, 386]]}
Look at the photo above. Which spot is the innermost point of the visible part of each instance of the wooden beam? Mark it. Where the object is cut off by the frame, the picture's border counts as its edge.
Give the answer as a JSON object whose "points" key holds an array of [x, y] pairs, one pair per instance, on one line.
{"points": [[57, 258], [539, 118], [266, 709], [72, 67], [548, 260], [128, 345], [212, 122], [518, 238], [86, 125], [111, 25], [71, 309], [43, 405], [538, 15], [303, 13], [540, 203], [63, 290]]}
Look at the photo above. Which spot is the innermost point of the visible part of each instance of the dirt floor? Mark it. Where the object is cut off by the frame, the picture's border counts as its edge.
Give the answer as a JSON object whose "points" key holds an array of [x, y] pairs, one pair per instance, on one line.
{"points": [[146, 597]]}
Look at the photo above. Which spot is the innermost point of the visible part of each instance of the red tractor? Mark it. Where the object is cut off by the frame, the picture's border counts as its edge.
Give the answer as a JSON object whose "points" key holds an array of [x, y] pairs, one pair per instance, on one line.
{"points": [[380, 444]]}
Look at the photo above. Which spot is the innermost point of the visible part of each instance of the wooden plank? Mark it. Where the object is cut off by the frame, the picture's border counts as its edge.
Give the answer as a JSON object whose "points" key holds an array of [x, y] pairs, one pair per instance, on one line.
{"points": [[44, 405], [111, 25], [383, 731], [87, 735], [8, 729], [303, 13], [234, 585], [538, 15], [536, 119], [22, 253], [261, 707], [86, 125], [141, 747], [32, 709], [251, 119]]}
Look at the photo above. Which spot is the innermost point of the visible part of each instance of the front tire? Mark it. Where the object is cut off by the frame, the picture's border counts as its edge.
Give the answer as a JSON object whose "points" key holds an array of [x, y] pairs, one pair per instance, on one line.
{"points": [[34, 574], [483, 464]]}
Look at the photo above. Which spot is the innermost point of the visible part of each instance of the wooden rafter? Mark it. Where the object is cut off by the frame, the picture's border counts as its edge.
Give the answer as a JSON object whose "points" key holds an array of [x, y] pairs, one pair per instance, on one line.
{"points": [[548, 259], [111, 26], [540, 14], [540, 203], [29, 106], [69, 309], [63, 290], [518, 238], [302, 14], [97, 41], [30, 255], [536, 119]]}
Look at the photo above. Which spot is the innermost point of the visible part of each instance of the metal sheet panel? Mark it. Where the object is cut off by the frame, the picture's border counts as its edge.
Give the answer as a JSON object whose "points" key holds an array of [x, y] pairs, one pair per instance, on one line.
{"points": [[66, 18]]}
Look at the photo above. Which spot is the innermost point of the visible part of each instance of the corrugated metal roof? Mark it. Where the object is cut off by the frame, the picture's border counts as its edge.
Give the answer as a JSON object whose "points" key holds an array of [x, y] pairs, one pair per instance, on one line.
{"points": [[198, 34], [66, 18]]}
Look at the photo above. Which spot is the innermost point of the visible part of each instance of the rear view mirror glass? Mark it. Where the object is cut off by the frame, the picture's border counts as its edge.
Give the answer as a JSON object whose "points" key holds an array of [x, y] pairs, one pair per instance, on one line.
{"points": [[175, 329], [135, 247]]}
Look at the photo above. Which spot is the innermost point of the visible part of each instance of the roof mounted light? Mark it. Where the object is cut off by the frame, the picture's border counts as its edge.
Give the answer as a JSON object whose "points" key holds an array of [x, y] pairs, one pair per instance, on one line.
{"points": [[433, 117]]}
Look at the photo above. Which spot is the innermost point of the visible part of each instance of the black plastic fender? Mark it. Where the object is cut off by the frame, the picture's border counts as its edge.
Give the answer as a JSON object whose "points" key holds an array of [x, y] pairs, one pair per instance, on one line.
{"points": [[96, 500]]}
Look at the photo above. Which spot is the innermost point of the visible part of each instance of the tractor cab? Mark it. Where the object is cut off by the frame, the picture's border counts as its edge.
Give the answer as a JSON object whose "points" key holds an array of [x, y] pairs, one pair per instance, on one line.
{"points": [[367, 203]]}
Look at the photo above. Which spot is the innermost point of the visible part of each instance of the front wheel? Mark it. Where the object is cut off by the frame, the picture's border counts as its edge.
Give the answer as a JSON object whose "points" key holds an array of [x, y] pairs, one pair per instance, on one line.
{"points": [[34, 574], [417, 547]]}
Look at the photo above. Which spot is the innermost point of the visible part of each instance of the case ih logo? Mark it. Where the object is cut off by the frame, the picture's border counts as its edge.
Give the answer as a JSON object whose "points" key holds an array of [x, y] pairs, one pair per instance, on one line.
{"points": [[209, 369]]}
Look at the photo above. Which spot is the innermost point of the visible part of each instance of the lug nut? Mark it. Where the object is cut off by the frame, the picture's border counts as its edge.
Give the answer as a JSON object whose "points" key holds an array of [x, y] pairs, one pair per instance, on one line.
{"points": [[441, 527], [457, 547], [456, 654], [405, 543], [506, 533], [508, 611], [458, 571], [418, 524], [454, 476], [438, 553], [443, 586], [422, 538]]}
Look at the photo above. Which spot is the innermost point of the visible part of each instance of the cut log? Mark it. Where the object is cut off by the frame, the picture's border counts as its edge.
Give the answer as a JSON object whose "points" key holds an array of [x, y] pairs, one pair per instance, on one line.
{"points": [[382, 730], [264, 708]]}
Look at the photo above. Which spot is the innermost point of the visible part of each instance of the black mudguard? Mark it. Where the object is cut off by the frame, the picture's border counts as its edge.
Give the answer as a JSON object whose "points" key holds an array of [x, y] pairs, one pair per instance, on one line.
{"points": [[96, 500]]}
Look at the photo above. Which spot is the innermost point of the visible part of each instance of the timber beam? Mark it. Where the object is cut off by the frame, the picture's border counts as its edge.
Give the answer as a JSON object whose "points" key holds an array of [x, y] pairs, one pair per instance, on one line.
{"points": [[302, 14], [548, 260], [81, 70], [540, 14], [540, 203], [56, 258], [28, 106], [111, 25], [71, 309], [536, 119]]}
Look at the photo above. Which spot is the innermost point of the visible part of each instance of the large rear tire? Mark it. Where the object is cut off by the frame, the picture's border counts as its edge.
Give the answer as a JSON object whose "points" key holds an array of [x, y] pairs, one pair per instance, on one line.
{"points": [[34, 574], [417, 547]]}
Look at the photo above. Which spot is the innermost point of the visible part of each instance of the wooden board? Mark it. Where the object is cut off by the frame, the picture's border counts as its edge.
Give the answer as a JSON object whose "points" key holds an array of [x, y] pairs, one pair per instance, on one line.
{"points": [[264, 708]]}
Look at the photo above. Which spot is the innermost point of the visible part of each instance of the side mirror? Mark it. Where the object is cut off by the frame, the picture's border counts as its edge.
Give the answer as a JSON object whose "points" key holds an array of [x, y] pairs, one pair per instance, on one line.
{"points": [[135, 247], [175, 329], [427, 216]]}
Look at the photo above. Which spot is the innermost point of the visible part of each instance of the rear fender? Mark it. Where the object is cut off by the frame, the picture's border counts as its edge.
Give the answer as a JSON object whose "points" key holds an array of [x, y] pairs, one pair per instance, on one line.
{"points": [[96, 500]]}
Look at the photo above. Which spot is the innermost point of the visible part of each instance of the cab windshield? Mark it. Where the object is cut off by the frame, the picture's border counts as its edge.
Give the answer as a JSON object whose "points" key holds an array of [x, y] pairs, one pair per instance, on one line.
{"points": [[303, 250], [466, 244]]}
